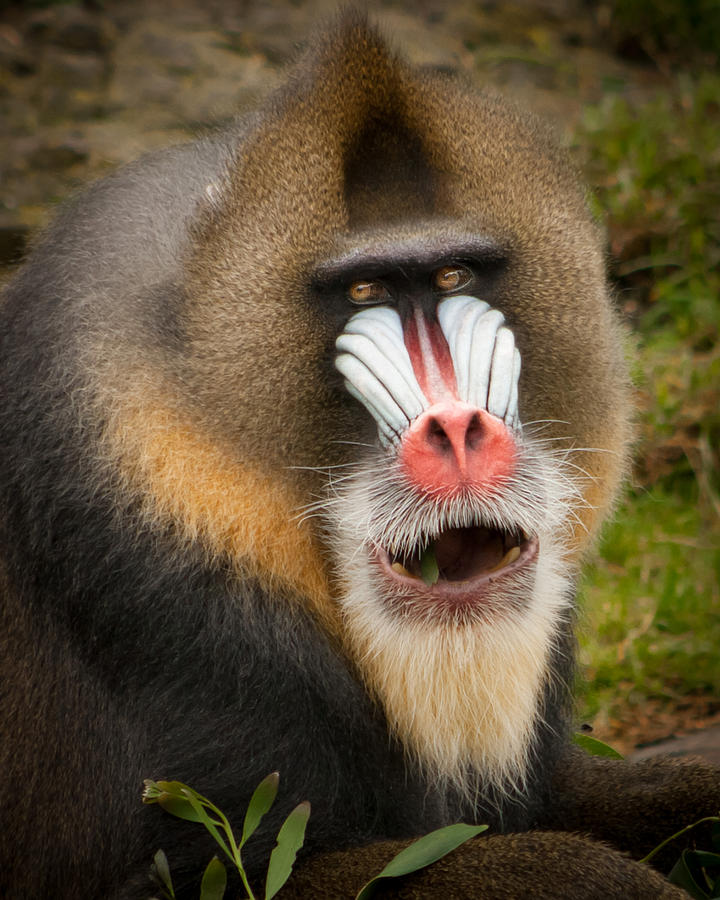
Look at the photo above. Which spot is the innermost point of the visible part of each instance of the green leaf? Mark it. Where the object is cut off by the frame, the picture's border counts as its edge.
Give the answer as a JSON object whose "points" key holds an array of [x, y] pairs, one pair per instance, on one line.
{"points": [[706, 858], [715, 890], [198, 802], [182, 801], [685, 872], [262, 799], [214, 881], [423, 852], [715, 836], [162, 872], [714, 819], [289, 840], [705, 867], [429, 569], [169, 794], [594, 747]]}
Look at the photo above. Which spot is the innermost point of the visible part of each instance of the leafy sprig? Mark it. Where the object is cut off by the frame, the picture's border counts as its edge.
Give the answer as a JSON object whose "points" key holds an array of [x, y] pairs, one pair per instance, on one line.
{"points": [[184, 802]]}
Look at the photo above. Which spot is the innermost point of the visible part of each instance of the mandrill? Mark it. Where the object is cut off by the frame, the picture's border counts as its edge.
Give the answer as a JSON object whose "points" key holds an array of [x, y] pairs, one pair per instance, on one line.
{"points": [[304, 430]]}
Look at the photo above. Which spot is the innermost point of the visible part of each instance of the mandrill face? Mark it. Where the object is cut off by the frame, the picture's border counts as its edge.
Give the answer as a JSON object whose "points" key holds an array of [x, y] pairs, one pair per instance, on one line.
{"points": [[452, 532], [440, 378], [450, 509]]}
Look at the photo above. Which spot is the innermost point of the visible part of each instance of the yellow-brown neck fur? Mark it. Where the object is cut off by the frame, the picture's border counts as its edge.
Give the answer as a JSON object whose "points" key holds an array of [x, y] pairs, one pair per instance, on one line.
{"points": [[234, 509]]}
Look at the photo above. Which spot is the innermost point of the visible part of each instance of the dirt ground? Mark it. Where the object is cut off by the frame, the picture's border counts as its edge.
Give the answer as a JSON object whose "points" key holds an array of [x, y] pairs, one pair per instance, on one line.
{"points": [[84, 88]]}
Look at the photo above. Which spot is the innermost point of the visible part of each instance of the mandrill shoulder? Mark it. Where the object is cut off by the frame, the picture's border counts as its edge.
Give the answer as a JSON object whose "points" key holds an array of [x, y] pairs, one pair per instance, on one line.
{"points": [[127, 233]]}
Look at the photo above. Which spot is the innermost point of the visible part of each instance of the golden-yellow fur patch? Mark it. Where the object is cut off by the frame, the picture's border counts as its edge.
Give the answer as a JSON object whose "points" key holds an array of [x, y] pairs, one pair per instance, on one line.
{"points": [[606, 469], [234, 509]]}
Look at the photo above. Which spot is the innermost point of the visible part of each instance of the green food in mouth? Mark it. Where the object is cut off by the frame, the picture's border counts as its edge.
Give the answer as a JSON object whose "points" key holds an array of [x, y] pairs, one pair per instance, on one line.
{"points": [[429, 570]]}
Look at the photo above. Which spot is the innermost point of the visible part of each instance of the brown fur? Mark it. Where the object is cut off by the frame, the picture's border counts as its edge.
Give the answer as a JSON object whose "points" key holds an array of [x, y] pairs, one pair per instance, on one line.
{"points": [[528, 197], [237, 511], [189, 493], [466, 175]]}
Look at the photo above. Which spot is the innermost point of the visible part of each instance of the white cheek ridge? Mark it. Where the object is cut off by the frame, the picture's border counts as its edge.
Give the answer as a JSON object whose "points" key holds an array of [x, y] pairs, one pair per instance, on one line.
{"points": [[457, 317], [378, 350], [372, 393], [512, 418], [485, 359], [483, 342], [387, 434], [376, 365], [380, 315], [501, 373]]}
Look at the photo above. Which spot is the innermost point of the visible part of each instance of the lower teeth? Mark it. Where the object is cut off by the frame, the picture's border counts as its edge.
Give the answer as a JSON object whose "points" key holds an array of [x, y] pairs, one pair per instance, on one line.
{"points": [[510, 557]]}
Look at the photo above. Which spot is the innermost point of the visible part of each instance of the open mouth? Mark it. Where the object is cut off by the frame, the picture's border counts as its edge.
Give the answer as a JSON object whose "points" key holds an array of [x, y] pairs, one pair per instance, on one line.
{"points": [[461, 559]]}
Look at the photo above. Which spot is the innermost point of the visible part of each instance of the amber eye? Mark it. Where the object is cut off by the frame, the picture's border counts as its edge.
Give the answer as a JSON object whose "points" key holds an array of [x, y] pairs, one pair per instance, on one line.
{"points": [[450, 278], [364, 293]]}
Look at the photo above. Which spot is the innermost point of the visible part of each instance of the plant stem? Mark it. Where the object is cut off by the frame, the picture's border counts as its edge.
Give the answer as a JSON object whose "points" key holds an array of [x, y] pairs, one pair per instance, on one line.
{"points": [[677, 835]]}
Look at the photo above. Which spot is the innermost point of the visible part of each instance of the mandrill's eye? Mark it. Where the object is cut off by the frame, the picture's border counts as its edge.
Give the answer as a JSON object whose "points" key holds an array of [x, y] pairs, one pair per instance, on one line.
{"points": [[451, 278], [365, 293]]}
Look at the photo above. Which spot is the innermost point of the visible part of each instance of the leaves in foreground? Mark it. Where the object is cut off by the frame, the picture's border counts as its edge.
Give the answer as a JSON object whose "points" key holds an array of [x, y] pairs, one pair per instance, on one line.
{"points": [[183, 802], [422, 853], [160, 873], [214, 881]]}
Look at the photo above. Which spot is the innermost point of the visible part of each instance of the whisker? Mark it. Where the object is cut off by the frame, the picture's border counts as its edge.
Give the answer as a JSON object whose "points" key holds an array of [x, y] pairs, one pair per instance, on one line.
{"points": [[347, 443]]}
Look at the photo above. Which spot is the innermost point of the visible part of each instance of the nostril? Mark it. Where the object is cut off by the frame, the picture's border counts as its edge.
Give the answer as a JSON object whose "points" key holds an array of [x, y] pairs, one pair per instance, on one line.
{"points": [[437, 436], [445, 434], [475, 432]]}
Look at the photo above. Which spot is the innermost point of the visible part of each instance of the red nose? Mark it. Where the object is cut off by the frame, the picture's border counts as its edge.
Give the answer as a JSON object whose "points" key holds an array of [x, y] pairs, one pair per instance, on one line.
{"points": [[453, 445]]}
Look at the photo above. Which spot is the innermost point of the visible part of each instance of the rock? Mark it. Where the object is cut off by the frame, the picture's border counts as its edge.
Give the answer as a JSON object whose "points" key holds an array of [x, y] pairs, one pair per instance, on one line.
{"points": [[14, 55], [73, 28], [705, 743], [58, 156]]}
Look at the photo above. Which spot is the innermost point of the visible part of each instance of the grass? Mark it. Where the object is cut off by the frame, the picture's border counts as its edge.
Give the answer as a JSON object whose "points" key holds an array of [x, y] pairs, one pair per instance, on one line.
{"points": [[652, 620], [651, 603]]}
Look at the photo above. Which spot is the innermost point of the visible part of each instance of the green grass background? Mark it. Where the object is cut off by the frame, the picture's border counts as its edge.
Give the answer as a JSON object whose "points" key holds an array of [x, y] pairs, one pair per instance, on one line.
{"points": [[650, 634]]}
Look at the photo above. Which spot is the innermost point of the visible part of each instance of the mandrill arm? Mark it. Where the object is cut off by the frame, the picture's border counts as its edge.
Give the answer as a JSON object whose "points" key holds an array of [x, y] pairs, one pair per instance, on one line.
{"points": [[631, 806], [538, 864]]}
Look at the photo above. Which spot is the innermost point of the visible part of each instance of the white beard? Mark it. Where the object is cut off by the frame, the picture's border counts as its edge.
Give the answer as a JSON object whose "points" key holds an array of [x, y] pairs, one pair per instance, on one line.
{"points": [[462, 694], [464, 700]]}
